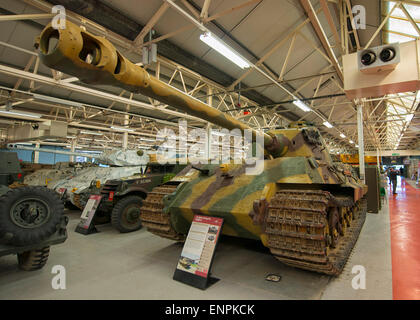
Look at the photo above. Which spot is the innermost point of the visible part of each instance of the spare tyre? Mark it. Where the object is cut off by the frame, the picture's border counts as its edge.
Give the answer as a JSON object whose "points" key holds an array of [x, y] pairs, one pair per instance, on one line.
{"points": [[29, 215]]}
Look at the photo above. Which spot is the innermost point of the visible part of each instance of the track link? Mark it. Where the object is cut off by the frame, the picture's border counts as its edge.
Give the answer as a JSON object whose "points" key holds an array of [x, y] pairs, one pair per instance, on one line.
{"points": [[298, 231], [153, 217]]}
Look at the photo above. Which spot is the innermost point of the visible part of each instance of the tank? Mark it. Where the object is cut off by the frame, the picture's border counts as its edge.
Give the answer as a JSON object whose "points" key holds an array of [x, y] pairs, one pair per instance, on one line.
{"points": [[74, 181], [31, 218], [305, 208]]}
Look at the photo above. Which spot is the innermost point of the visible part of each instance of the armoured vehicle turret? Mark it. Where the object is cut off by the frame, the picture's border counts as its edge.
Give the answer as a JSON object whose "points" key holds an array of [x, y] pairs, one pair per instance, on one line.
{"points": [[303, 207], [31, 218]]}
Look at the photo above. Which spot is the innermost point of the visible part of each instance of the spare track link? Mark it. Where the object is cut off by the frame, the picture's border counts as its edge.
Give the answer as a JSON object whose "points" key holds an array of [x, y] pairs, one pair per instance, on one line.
{"points": [[153, 217], [297, 227]]}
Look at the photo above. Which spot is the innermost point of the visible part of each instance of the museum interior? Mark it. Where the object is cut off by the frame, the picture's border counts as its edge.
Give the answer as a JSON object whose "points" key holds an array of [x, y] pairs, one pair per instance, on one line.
{"points": [[209, 150]]}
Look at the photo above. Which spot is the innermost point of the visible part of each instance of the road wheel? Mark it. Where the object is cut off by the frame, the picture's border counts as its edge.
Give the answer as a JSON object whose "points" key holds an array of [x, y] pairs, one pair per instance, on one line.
{"points": [[29, 215], [126, 214], [34, 259]]}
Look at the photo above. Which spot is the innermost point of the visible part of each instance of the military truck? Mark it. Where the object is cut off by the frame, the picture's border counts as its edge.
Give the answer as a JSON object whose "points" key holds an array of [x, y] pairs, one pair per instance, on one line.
{"points": [[122, 198], [31, 218]]}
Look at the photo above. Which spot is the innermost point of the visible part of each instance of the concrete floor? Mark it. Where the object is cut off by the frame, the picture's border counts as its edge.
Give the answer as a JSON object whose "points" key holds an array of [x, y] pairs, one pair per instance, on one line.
{"points": [[139, 265]]}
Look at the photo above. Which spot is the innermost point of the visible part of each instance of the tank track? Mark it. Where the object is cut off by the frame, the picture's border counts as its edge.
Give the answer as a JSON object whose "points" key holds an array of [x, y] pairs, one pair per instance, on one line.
{"points": [[153, 217], [299, 234]]}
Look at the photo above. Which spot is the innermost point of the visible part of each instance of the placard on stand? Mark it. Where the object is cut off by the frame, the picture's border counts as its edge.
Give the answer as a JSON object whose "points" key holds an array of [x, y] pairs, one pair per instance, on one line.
{"points": [[197, 254], [86, 225]]}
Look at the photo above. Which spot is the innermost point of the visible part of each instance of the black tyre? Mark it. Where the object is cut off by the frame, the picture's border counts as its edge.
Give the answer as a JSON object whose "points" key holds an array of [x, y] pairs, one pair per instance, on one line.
{"points": [[101, 217], [29, 215], [34, 259], [125, 216]]}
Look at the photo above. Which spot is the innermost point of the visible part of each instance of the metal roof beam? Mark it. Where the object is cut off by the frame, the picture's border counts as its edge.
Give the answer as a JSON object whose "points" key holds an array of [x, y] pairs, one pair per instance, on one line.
{"points": [[310, 11]]}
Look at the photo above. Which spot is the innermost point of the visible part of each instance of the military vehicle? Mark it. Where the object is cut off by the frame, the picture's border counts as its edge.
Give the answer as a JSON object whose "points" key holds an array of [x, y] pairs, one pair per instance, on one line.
{"points": [[75, 183], [122, 198], [302, 207], [31, 218]]}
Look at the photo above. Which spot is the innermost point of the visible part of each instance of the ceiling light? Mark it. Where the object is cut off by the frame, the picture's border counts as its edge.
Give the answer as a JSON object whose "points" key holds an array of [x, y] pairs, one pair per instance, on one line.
{"points": [[21, 113], [301, 105], [342, 136], [149, 140], [224, 50], [123, 129], [92, 133], [327, 124], [351, 141], [217, 133], [357, 146], [57, 100]]}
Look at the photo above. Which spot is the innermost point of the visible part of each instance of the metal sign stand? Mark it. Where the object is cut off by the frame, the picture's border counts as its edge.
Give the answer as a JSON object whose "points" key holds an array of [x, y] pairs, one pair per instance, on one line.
{"points": [[86, 225], [196, 259]]}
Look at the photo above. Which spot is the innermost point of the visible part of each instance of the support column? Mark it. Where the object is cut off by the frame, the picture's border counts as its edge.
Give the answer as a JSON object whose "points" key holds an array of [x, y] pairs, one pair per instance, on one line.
{"points": [[361, 141], [126, 123], [209, 141], [125, 139], [72, 149], [209, 126], [36, 153]]}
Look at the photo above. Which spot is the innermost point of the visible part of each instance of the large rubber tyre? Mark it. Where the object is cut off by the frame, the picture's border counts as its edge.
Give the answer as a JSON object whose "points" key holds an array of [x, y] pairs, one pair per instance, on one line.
{"points": [[125, 216], [101, 217], [34, 259], [29, 215]]}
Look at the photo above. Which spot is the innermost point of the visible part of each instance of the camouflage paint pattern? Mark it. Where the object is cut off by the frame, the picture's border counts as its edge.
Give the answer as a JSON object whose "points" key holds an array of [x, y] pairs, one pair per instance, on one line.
{"points": [[231, 194]]}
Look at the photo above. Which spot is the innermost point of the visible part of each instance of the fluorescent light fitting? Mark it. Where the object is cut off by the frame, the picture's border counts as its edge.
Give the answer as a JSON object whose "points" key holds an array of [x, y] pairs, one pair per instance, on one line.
{"points": [[92, 133], [217, 133], [21, 113], [342, 136], [327, 124], [57, 100], [218, 45], [123, 129], [301, 105], [149, 140]]}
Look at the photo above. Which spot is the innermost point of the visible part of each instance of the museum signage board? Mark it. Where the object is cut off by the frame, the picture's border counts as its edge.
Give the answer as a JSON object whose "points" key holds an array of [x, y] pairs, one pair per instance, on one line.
{"points": [[196, 259]]}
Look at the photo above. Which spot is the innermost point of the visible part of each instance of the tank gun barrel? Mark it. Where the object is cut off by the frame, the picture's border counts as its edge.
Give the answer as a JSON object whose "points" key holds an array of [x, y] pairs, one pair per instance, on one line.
{"points": [[113, 157], [95, 60], [12, 146]]}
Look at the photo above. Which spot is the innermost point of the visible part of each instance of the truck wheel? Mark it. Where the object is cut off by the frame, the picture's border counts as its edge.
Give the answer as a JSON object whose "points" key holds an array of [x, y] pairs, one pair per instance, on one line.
{"points": [[101, 217], [29, 215], [125, 216], [34, 259]]}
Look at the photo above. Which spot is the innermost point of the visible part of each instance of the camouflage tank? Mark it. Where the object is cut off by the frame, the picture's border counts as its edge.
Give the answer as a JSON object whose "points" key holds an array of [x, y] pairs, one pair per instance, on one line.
{"points": [[304, 208]]}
